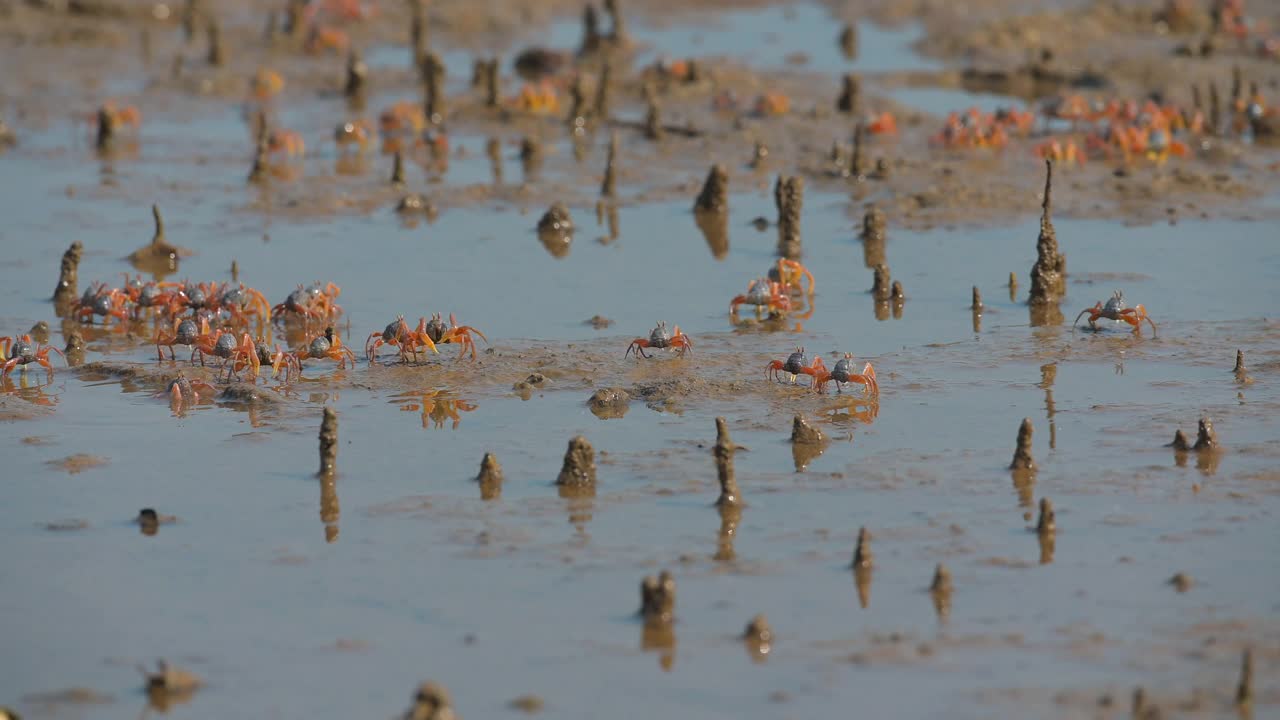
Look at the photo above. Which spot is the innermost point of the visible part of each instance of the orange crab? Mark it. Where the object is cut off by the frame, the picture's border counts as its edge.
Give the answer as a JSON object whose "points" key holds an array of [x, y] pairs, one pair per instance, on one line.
{"points": [[404, 117], [325, 346], [772, 103], [185, 331], [20, 351], [182, 390], [797, 363], [353, 132], [1115, 309], [399, 334], [286, 142], [102, 300], [843, 373], [789, 274], [661, 339], [882, 124], [324, 39], [310, 303], [440, 333], [540, 99], [265, 84], [1060, 152], [766, 294]]}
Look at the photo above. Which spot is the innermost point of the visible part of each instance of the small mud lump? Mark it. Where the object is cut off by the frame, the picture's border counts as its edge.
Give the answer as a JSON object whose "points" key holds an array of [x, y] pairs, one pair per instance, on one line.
{"points": [[715, 191], [1022, 459], [1047, 524], [430, 702], [803, 433], [863, 559], [490, 477], [724, 449], [579, 467], [1206, 438], [658, 599], [67, 289]]}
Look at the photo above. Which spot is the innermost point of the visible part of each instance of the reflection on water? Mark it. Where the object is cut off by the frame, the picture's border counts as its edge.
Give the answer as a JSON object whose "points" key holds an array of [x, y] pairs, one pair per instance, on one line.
{"points": [[435, 407], [34, 392]]}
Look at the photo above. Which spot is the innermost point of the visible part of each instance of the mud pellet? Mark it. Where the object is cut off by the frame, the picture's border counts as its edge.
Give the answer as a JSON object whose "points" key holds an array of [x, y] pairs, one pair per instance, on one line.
{"points": [[328, 442], [611, 402], [723, 451], [75, 342], [1181, 582], [863, 559], [803, 433], [609, 186], [490, 477], [758, 637], [148, 521], [789, 198], [1022, 459], [977, 299], [431, 702], [1244, 689], [397, 169], [658, 599], [1047, 524], [579, 467], [1206, 438], [357, 77], [850, 94], [714, 196], [941, 580], [67, 290], [881, 286], [216, 55], [848, 41]]}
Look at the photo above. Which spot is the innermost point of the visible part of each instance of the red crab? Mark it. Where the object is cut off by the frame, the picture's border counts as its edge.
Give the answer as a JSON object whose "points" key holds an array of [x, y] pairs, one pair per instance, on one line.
{"points": [[661, 339]]}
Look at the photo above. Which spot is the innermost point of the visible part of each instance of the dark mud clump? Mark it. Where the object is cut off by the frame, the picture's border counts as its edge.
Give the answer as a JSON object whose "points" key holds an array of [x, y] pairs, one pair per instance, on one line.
{"points": [[430, 702], [328, 443], [609, 403], [599, 322], [579, 469], [149, 521], [555, 230], [416, 205], [1048, 275], [490, 477], [1180, 442], [1022, 459], [863, 559], [1240, 371], [67, 290], [249, 394], [658, 599], [158, 256], [850, 94], [758, 638], [789, 197], [723, 451]]}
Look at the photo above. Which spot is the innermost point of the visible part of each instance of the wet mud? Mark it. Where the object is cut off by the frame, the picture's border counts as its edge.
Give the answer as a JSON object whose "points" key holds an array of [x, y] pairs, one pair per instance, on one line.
{"points": [[1161, 581]]}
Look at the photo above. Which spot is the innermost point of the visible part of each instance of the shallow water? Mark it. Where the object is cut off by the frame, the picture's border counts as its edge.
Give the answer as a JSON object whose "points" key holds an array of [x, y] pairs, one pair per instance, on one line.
{"points": [[290, 600]]}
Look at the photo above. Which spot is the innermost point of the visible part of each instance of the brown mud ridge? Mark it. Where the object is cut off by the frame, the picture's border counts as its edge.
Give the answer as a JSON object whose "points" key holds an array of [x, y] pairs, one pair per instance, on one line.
{"points": [[1131, 50]]}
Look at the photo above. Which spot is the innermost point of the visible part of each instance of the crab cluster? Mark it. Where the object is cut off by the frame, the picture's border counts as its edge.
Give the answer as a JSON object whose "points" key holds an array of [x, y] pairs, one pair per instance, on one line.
{"points": [[976, 129]]}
